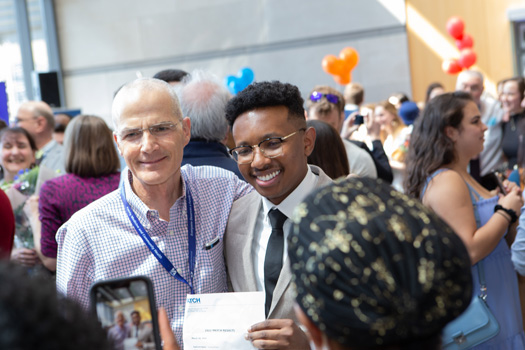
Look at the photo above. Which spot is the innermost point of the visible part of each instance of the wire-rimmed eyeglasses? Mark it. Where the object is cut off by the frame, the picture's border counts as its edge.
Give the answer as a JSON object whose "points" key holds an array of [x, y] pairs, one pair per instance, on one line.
{"points": [[271, 147], [157, 130]]}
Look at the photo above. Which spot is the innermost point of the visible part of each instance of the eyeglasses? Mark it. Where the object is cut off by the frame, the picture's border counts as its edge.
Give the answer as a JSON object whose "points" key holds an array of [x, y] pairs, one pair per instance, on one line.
{"points": [[18, 120], [157, 130], [271, 147], [317, 96]]}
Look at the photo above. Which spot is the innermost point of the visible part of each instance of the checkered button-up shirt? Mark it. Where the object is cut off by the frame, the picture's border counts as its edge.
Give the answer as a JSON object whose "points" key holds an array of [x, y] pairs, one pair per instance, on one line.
{"points": [[99, 242]]}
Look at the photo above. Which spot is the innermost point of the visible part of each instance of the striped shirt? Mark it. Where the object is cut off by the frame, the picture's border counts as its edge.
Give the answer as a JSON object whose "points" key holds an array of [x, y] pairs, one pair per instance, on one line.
{"points": [[99, 241]]}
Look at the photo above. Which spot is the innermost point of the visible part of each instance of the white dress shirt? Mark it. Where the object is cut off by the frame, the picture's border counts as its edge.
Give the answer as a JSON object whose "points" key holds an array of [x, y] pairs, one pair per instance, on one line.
{"points": [[263, 228]]}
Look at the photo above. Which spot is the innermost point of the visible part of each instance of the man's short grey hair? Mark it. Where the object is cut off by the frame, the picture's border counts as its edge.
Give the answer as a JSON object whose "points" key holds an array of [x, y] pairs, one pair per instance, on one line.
{"points": [[135, 87], [40, 108], [203, 98], [468, 74]]}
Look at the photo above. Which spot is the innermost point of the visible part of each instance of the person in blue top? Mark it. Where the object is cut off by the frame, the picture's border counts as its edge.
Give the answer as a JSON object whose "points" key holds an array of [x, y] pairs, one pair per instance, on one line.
{"points": [[448, 135]]}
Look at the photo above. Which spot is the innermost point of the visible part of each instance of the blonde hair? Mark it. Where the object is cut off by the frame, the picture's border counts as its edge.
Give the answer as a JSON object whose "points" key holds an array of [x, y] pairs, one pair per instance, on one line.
{"points": [[397, 123]]}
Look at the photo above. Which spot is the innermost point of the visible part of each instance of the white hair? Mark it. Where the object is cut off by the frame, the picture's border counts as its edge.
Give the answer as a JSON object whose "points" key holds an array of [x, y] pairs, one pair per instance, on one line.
{"points": [[203, 98], [464, 75]]}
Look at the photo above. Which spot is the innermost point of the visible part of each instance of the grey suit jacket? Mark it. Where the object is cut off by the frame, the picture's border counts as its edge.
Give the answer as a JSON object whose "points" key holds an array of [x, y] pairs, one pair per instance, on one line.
{"points": [[237, 250]]}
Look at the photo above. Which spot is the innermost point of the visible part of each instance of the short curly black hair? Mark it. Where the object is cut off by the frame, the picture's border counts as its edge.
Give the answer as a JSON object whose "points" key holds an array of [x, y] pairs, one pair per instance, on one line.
{"points": [[33, 316], [266, 94]]}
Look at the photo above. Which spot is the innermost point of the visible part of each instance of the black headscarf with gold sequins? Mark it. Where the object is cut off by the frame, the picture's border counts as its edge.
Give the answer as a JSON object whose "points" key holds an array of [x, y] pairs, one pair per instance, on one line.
{"points": [[373, 267]]}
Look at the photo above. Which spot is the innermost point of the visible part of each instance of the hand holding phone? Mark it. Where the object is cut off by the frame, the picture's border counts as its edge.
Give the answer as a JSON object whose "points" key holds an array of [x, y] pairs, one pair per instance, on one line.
{"points": [[126, 309], [359, 119], [499, 180]]}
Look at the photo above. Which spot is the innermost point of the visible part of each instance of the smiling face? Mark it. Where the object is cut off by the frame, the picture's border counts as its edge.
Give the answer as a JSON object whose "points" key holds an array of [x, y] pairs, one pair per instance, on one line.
{"points": [[383, 117], [153, 160], [16, 154], [274, 178], [510, 98]]}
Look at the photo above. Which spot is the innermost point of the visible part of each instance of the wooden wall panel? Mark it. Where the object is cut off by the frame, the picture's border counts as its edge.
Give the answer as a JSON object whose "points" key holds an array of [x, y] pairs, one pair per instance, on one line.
{"points": [[485, 20]]}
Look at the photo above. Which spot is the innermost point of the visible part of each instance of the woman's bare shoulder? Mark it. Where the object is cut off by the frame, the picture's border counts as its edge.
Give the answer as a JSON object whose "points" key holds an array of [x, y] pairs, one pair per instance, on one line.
{"points": [[448, 185]]}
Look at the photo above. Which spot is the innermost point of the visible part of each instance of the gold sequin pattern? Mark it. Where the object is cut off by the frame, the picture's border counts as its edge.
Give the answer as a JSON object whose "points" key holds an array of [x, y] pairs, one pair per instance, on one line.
{"points": [[372, 266]]}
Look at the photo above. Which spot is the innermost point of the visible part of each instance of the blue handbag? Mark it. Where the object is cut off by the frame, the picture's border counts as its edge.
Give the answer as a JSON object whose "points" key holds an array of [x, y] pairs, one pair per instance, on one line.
{"points": [[475, 325]]}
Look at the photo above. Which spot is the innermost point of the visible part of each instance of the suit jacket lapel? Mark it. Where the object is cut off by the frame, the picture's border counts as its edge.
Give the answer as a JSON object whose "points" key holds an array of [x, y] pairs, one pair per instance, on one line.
{"points": [[282, 285], [240, 232], [285, 276], [253, 208]]}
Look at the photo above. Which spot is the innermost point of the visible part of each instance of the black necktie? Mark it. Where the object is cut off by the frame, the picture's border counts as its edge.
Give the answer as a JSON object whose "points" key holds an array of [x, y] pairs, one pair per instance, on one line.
{"points": [[273, 261]]}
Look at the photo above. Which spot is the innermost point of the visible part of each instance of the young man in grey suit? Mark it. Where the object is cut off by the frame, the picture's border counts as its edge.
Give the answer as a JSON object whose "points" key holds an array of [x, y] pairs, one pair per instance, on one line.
{"points": [[272, 145]]}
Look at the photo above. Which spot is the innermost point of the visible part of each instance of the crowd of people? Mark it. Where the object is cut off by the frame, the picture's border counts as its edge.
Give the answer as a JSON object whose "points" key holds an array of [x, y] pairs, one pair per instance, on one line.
{"points": [[364, 224]]}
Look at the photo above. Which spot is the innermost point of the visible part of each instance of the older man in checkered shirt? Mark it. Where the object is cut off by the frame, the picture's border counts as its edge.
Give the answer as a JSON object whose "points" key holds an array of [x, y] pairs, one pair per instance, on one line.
{"points": [[182, 211]]}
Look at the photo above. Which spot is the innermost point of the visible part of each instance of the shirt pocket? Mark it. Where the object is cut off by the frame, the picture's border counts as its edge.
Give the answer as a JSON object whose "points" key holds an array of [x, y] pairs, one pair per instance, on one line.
{"points": [[215, 265]]}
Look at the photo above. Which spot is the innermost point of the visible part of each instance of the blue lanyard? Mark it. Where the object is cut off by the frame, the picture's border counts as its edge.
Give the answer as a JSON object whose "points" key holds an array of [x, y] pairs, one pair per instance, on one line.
{"points": [[153, 247]]}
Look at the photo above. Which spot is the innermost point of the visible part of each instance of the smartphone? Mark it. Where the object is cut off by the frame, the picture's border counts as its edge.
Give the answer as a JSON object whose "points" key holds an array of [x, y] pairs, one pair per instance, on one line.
{"points": [[127, 311], [359, 119], [499, 178]]}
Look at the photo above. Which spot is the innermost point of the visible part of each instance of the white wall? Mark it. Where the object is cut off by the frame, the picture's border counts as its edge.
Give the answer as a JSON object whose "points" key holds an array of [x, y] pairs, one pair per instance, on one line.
{"points": [[104, 43]]}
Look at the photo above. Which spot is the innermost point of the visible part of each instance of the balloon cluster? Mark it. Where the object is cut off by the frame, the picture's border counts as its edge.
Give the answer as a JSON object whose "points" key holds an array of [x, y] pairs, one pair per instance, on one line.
{"points": [[237, 83], [464, 43], [341, 67]]}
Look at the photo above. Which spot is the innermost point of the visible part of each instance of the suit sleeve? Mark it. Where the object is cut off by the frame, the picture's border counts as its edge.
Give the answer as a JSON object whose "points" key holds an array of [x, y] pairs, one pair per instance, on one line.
{"points": [[384, 171]]}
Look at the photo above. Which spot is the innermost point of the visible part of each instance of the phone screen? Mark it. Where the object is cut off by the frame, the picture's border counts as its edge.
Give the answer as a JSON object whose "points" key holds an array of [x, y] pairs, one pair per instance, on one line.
{"points": [[126, 310]]}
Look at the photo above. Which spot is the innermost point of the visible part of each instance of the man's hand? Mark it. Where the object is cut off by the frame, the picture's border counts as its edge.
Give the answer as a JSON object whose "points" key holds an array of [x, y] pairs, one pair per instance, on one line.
{"points": [[278, 334]]}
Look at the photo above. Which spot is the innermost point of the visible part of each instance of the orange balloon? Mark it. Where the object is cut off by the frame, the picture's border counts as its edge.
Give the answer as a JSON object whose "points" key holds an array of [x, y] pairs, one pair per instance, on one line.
{"points": [[350, 57], [332, 65], [343, 79]]}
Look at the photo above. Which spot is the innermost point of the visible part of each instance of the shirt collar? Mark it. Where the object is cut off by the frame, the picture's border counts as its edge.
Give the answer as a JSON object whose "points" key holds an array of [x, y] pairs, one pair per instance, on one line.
{"points": [[288, 205], [137, 204], [48, 147]]}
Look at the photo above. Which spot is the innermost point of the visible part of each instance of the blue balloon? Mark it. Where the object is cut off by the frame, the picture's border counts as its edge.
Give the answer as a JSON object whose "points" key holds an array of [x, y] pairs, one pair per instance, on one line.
{"points": [[246, 76], [230, 81], [236, 84]]}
